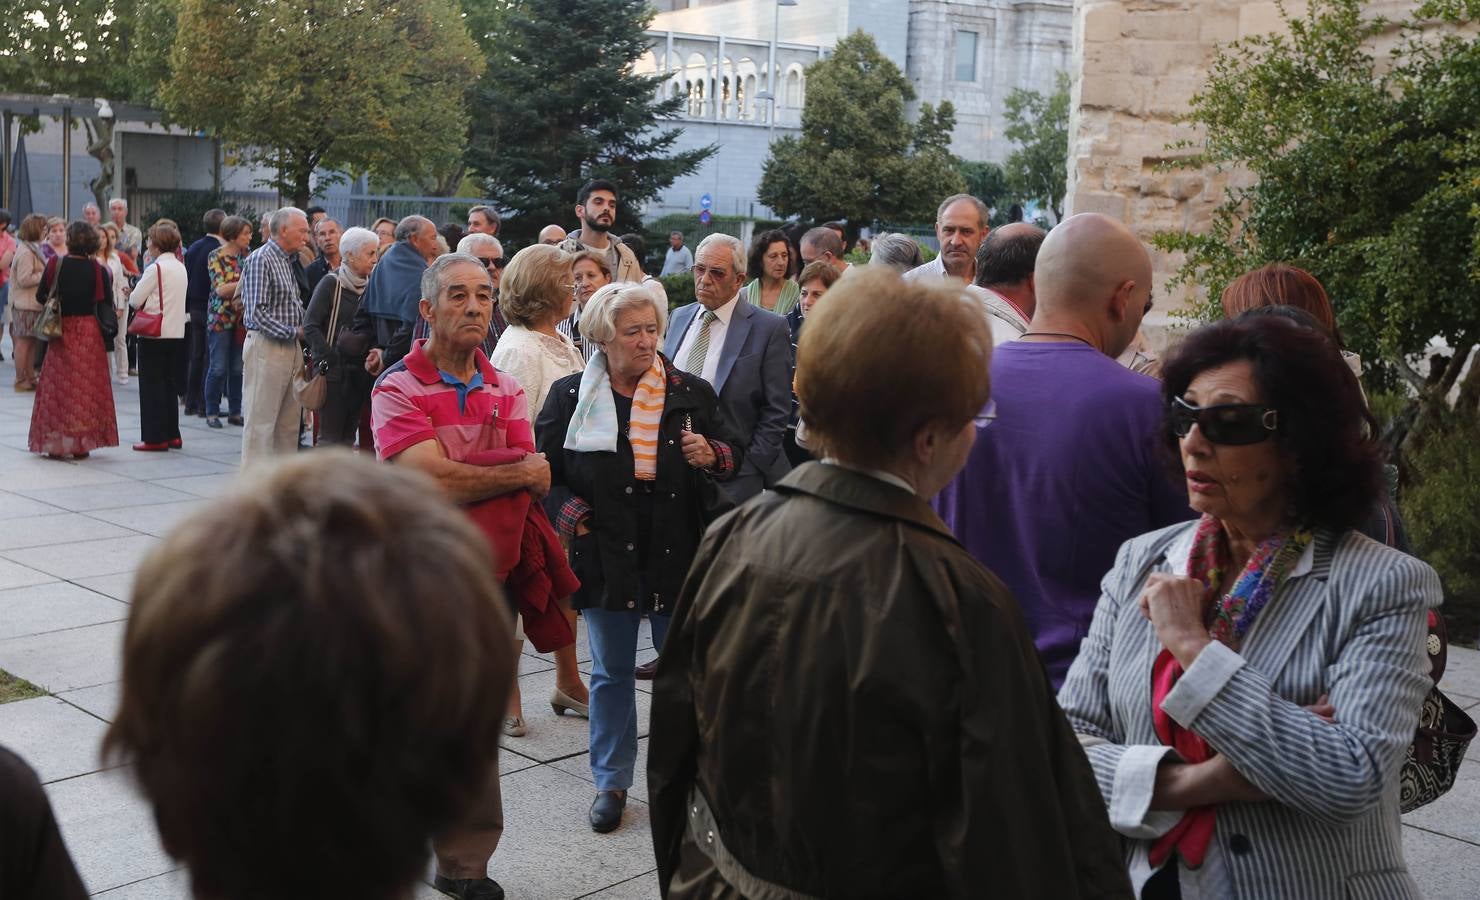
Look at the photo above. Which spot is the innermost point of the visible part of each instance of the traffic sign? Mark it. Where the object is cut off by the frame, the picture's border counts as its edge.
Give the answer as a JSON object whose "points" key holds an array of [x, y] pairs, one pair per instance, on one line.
{"points": [[704, 216], [706, 201]]}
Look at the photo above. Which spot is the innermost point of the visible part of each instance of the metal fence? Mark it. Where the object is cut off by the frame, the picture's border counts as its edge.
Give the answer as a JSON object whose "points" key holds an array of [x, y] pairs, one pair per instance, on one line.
{"points": [[347, 209]]}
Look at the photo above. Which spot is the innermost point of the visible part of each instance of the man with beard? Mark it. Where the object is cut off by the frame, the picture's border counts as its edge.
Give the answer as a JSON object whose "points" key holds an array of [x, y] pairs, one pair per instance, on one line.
{"points": [[961, 225], [596, 207]]}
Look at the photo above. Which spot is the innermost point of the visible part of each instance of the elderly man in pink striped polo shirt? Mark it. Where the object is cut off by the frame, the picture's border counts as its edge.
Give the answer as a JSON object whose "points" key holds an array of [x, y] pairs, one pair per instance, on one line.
{"points": [[434, 409]]}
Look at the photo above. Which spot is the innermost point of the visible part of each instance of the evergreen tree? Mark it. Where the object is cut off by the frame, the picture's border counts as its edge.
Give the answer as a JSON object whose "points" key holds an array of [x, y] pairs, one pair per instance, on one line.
{"points": [[559, 105], [859, 158]]}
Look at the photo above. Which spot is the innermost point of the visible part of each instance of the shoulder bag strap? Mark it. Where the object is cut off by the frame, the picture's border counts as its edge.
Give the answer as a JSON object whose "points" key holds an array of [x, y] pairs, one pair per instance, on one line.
{"points": [[159, 283], [334, 313]]}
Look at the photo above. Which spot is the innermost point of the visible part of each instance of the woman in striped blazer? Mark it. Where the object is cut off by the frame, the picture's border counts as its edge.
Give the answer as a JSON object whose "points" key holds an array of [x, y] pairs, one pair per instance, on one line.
{"points": [[1251, 680]]}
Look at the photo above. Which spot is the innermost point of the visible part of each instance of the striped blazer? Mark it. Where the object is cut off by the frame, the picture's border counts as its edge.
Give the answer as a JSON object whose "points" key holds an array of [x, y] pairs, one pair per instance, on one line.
{"points": [[1350, 621]]}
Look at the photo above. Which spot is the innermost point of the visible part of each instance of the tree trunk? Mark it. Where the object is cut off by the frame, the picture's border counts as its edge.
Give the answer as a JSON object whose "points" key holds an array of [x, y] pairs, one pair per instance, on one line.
{"points": [[100, 147]]}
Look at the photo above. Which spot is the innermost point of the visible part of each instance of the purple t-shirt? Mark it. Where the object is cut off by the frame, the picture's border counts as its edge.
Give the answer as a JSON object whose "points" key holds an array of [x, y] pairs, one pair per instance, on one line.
{"points": [[1066, 473]]}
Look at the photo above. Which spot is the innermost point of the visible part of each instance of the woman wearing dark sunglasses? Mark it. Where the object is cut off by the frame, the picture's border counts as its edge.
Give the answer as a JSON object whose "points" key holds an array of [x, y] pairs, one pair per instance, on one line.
{"points": [[1284, 651]]}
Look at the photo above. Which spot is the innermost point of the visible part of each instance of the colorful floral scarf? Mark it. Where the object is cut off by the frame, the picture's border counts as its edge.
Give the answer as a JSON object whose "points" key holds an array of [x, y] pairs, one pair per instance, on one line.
{"points": [[1231, 617]]}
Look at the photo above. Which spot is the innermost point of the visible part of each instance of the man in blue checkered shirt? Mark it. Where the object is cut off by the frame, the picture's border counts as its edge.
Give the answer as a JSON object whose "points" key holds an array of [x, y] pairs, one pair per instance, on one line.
{"points": [[273, 354]]}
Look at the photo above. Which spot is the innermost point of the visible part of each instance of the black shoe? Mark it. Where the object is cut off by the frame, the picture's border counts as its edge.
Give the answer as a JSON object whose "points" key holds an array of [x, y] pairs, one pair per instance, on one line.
{"points": [[213, 421], [190, 411], [606, 811], [469, 888]]}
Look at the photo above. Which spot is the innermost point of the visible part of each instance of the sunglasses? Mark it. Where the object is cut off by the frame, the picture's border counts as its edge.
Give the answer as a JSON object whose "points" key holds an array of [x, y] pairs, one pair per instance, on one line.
{"points": [[495, 262], [1231, 424]]}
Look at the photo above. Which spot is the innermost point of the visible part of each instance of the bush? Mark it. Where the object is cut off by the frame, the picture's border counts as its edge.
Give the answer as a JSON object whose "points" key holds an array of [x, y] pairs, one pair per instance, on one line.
{"points": [[680, 289], [1439, 507], [187, 208]]}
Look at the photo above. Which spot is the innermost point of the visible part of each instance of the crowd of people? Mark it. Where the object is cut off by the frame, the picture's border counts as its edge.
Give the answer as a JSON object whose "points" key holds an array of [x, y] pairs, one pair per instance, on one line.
{"points": [[957, 586]]}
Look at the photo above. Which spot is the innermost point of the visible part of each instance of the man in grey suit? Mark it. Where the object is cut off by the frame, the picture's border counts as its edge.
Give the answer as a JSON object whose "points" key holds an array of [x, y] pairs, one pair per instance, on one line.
{"points": [[744, 352]]}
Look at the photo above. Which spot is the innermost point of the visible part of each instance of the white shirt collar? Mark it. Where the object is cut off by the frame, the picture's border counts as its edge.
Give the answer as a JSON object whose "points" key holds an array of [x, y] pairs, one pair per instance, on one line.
{"points": [[724, 313], [1179, 551]]}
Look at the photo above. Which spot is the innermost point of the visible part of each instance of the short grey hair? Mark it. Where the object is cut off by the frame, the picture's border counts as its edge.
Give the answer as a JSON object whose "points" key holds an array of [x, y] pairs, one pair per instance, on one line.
{"points": [[408, 227], [356, 239], [327, 220], [279, 219], [898, 251], [599, 318], [431, 279], [87, 206], [472, 243], [118, 201], [737, 251], [824, 239], [982, 211]]}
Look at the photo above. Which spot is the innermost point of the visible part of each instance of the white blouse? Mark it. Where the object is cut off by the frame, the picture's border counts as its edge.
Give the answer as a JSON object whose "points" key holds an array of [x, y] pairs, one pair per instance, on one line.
{"points": [[148, 293], [536, 361]]}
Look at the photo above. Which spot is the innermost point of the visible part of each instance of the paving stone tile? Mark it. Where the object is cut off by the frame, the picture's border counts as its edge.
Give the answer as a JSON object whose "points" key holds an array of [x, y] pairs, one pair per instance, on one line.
{"points": [[1457, 813], [43, 473], [63, 527], [14, 506], [100, 700], [1462, 674], [510, 762], [643, 887], [1445, 869], [63, 660], [14, 575], [581, 766], [54, 606], [58, 740], [202, 485], [119, 495], [554, 737], [85, 558], [545, 808], [109, 829], [119, 587], [157, 519], [170, 886], [154, 466]]}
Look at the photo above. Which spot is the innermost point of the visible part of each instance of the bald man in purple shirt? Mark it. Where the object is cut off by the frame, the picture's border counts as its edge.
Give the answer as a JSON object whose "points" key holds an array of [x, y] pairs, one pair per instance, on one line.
{"points": [[1068, 470]]}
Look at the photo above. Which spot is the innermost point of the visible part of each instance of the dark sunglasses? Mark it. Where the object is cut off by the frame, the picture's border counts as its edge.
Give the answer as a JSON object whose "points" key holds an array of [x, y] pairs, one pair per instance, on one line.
{"points": [[495, 262], [1231, 424]]}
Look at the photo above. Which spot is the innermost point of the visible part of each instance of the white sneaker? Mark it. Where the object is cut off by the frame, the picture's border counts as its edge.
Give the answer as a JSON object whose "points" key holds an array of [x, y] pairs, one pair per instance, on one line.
{"points": [[122, 379]]}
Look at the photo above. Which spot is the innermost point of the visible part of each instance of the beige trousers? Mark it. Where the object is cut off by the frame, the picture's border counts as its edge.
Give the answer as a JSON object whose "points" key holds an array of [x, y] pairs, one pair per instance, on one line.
{"points": [[464, 850], [271, 410]]}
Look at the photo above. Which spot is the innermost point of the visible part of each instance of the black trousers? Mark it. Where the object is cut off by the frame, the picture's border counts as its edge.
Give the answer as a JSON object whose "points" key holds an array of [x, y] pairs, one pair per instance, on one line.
{"points": [[159, 386], [339, 420], [195, 362]]}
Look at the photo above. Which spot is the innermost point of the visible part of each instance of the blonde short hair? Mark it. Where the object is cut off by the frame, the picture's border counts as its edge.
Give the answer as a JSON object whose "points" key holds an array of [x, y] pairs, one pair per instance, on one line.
{"points": [[599, 318], [535, 283], [882, 357]]}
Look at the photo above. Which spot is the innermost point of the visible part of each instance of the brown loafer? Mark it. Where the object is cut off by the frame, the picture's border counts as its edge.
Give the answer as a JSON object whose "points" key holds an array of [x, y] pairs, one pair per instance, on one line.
{"points": [[646, 671]]}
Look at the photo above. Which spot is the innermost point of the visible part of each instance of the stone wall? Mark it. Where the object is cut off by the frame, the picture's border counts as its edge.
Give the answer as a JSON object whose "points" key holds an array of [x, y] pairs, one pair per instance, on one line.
{"points": [[1137, 65]]}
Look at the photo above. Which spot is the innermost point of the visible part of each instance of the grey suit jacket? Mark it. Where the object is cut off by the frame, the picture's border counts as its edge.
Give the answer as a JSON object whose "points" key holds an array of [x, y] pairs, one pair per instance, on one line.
{"points": [[1350, 621], [753, 382]]}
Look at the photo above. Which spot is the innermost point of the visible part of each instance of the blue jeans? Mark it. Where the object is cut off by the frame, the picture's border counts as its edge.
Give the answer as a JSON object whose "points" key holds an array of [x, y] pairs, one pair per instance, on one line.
{"points": [[614, 692], [225, 370]]}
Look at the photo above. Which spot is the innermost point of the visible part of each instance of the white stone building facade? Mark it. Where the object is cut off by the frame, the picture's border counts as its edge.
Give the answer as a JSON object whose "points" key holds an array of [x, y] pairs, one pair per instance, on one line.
{"points": [[741, 64]]}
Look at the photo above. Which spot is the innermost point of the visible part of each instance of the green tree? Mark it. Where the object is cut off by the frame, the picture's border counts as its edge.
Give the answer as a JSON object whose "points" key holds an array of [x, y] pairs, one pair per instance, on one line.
{"points": [[858, 157], [338, 85], [1039, 125], [987, 181], [107, 49], [1368, 176], [559, 105]]}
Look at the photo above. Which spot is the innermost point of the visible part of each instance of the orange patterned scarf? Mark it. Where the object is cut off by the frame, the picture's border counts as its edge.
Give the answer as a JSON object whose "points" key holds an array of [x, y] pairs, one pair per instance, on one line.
{"points": [[647, 415]]}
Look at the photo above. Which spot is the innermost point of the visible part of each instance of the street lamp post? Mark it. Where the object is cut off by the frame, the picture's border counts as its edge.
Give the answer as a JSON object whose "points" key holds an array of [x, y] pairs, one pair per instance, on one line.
{"points": [[768, 97]]}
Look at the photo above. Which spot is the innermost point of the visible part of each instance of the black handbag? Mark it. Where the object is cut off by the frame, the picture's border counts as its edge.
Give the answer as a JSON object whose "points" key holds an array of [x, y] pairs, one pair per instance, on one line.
{"points": [[1444, 733]]}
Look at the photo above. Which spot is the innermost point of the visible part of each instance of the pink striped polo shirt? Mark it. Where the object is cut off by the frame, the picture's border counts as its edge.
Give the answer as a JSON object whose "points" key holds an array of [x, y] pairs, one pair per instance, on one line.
{"points": [[413, 402]]}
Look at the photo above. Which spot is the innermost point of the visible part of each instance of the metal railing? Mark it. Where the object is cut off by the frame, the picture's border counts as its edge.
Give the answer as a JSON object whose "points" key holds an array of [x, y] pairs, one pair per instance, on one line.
{"points": [[347, 209]]}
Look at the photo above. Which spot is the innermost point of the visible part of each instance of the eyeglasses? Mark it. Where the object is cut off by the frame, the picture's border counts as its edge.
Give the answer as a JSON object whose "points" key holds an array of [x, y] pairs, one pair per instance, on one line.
{"points": [[700, 272], [1231, 424], [986, 416], [495, 262]]}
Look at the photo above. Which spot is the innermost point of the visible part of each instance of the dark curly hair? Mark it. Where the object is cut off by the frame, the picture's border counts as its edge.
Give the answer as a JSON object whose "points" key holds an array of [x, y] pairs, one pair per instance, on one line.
{"points": [[82, 239], [755, 265], [1324, 422]]}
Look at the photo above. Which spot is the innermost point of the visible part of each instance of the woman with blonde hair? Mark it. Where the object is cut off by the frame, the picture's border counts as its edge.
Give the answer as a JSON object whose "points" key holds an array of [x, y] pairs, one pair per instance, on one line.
{"points": [[535, 294], [109, 257]]}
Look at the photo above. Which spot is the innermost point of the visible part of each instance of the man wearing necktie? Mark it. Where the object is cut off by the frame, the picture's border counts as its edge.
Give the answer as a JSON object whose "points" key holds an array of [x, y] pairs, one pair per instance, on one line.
{"points": [[744, 352]]}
